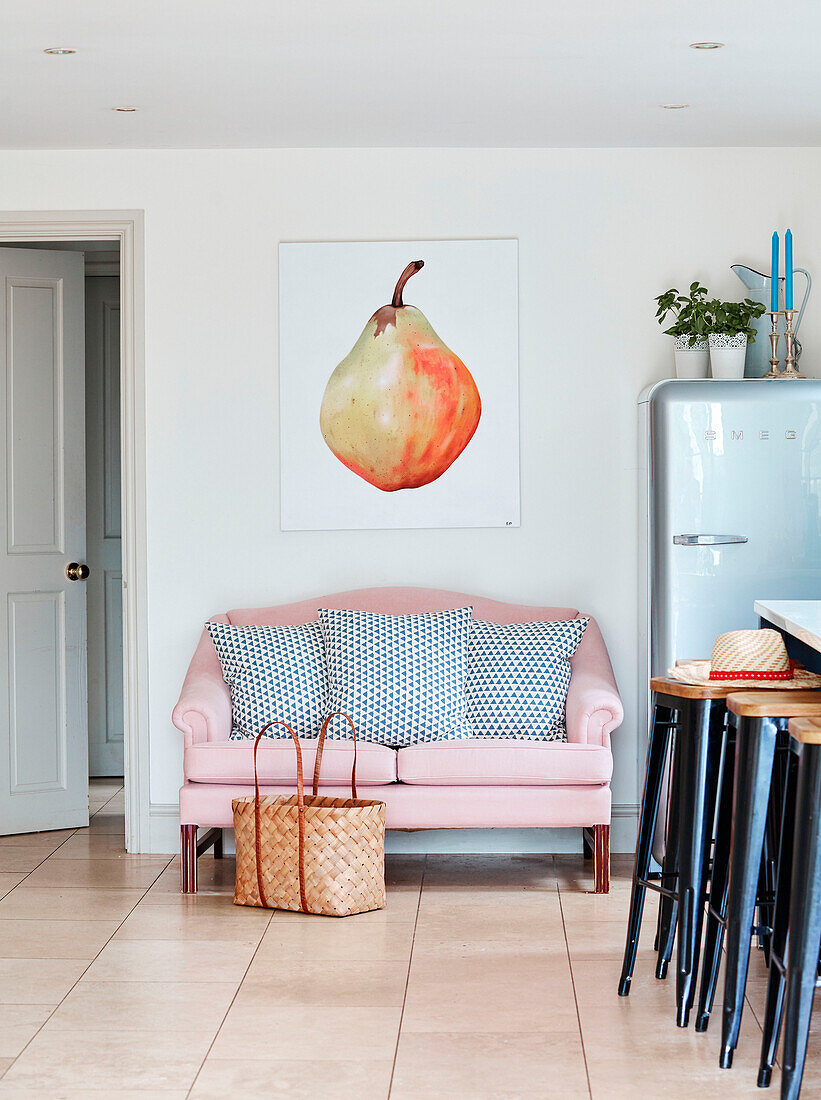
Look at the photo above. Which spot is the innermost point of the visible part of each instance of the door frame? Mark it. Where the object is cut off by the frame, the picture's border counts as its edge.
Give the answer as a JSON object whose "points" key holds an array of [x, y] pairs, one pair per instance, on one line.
{"points": [[127, 227]]}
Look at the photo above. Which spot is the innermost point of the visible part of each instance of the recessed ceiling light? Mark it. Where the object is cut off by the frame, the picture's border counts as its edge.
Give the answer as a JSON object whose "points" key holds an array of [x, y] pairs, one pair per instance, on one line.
{"points": [[58, 51], [706, 45], [125, 110], [674, 106]]}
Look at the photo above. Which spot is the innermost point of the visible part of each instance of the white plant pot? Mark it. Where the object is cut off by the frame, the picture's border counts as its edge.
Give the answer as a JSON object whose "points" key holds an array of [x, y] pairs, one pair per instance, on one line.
{"points": [[727, 355], [691, 362]]}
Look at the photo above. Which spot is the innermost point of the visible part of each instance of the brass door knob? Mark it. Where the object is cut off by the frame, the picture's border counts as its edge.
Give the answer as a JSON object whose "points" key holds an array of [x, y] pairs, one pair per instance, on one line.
{"points": [[76, 572]]}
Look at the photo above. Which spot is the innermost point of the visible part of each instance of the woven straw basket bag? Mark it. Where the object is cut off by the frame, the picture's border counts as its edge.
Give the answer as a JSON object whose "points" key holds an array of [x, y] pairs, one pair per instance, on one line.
{"points": [[314, 854]]}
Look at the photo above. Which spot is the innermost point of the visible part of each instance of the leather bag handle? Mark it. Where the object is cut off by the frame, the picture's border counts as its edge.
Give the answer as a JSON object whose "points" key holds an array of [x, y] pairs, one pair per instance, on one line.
{"points": [[300, 798], [320, 748]]}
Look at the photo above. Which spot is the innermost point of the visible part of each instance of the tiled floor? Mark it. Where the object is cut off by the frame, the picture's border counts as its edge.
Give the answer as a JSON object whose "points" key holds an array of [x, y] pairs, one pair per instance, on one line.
{"points": [[484, 977]]}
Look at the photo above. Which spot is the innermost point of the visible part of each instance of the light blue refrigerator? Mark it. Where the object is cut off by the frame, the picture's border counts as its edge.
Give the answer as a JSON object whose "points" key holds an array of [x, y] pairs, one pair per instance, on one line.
{"points": [[730, 503]]}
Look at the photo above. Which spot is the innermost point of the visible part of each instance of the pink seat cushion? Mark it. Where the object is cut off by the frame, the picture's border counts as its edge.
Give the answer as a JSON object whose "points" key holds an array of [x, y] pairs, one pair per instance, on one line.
{"points": [[233, 762], [491, 762]]}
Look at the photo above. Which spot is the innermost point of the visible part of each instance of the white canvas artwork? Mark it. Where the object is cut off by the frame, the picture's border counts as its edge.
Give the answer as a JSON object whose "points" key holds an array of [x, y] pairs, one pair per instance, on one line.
{"points": [[399, 385]]}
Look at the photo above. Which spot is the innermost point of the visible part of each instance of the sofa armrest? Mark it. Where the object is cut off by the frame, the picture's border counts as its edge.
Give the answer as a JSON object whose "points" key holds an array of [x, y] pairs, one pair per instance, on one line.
{"points": [[594, 707], [203, 712]]}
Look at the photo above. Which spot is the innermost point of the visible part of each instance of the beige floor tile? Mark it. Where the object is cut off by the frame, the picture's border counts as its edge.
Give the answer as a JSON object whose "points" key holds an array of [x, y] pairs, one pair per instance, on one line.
{"points": [[589, 938], [404, 872], [53, 939], [37, 981], [107, 821], [22, 859], [50, 840], [5, 1064], [314, 1033], [489, 992], [10, 1091], [490, 1065], [171, 961], [612, 908], [147, 1060], [326, 938], [18, 1024], [489, 874], [111, 873], [90, 845], [517, 924], [325, 982], [227, 922], [220, 1078], [8, 880], [68, 904], [153, 1006], [636, 1046]]}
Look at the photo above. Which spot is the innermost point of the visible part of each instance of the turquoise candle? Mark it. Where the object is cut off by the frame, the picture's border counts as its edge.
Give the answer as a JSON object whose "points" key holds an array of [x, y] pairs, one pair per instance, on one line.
{"points": [[774, 276], [788, 269]]}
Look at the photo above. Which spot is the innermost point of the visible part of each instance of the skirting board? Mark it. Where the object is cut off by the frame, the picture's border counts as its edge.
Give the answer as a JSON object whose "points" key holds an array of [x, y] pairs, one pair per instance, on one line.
{"points": [[165, 837]]}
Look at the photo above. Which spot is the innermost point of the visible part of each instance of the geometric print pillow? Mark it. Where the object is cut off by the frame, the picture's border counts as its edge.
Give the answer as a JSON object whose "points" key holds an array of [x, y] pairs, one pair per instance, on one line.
{"points": [[401, 678], [518, 676], [275, 673]]}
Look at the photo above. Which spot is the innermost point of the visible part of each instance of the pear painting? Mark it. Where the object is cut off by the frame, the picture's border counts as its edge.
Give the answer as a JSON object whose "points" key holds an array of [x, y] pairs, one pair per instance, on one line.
{"points": [[401, 407]]}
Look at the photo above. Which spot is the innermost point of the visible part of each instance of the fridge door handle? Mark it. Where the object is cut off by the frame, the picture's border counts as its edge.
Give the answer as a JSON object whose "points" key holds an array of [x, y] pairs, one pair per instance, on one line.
{"points": [[708, 540]]}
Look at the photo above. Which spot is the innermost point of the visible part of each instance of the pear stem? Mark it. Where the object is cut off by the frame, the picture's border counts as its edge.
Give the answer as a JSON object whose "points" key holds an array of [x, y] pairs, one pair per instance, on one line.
{"points": [[411, 269]]}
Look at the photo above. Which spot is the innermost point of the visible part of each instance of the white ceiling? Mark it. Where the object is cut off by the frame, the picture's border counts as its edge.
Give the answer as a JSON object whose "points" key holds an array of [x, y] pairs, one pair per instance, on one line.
{"points": [[472, 73]]}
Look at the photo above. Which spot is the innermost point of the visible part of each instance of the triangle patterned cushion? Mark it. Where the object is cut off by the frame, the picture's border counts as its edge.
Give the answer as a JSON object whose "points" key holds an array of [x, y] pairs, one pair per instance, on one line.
{"points": [[275, 673], [518, 676], [401, 678]]}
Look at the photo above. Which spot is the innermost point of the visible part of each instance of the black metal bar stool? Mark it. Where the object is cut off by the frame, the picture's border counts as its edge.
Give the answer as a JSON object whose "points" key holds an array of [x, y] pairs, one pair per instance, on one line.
{"points": [[797, 914], [688, 723], [720, 875], [761, 725]]}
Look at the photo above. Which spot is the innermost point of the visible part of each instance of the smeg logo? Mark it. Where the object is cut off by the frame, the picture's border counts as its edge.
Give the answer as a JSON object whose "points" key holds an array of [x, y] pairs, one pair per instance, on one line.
{"points": [[737, 434]]}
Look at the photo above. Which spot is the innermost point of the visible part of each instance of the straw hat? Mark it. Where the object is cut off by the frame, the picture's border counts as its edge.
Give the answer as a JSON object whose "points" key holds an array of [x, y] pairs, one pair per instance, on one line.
{"points": [[746, 658]]}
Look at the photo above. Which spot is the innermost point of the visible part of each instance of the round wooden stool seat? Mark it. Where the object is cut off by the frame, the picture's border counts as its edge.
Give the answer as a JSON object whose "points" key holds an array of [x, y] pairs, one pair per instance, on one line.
{"points": [[775, 704], [663, 685]]}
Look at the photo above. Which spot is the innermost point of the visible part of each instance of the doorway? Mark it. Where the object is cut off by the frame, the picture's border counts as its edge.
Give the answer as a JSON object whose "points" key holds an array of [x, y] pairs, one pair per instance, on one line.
{"points": [[101, 687], [40, 312]]}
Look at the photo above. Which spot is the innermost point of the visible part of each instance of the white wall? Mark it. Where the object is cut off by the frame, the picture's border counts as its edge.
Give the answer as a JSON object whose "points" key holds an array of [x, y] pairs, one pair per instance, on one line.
{"points": [[600, 231]]}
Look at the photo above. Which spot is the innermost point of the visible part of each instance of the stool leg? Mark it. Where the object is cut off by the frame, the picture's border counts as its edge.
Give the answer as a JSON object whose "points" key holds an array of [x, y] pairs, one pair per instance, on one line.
{"points": [[755, 750], [716, 913], [656, 753], [668, 909], [700, 757], [781, 924], [805, 921]]}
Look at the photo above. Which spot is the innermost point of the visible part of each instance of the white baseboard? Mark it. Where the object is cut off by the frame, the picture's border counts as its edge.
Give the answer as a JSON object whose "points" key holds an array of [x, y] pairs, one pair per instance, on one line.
{"points": [[164, 836]]}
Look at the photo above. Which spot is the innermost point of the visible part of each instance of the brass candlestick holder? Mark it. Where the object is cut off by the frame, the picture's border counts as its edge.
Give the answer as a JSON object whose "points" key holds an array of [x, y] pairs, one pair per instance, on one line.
{"points": [[789, 359], [774, 372]]}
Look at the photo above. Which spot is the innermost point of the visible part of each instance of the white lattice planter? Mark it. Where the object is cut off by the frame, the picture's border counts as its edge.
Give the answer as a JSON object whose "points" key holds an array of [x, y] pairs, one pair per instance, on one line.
{"points": [[692, 361], [727, 355]]}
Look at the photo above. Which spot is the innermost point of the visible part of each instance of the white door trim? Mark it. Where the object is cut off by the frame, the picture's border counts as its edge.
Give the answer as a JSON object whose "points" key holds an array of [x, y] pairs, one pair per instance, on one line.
{"points": [[125, 226]]}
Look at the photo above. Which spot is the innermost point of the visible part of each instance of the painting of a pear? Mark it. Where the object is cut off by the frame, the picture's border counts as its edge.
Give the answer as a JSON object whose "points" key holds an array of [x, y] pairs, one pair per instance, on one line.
{"points": [[401, 407]]}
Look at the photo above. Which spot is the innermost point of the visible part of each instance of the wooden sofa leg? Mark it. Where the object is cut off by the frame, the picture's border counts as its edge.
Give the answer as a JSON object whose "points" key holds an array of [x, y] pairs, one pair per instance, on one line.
{"points": [[188, 853], [601, 858]]}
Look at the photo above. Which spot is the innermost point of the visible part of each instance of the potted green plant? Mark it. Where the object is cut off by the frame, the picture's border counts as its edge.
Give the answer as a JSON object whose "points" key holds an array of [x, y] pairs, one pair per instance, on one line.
{"points": [[690, 328], [731, 329]]}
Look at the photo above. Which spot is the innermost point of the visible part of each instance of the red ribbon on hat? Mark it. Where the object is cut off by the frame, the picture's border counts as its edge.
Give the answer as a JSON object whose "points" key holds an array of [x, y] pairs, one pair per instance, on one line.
{"points": [[746, 675]]}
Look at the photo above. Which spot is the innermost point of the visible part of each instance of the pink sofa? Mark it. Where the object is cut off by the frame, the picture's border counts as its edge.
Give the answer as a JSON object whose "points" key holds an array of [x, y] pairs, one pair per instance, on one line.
{"points": [[470, 784]]}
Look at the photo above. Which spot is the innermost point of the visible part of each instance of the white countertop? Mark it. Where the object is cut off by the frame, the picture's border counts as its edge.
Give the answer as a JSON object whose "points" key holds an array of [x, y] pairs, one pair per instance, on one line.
{"points": [[801, 618]]}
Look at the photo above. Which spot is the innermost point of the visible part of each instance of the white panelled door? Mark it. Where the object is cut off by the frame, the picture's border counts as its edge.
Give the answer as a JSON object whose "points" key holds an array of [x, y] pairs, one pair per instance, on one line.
{"points": [[104, 557], [43, 704]]}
